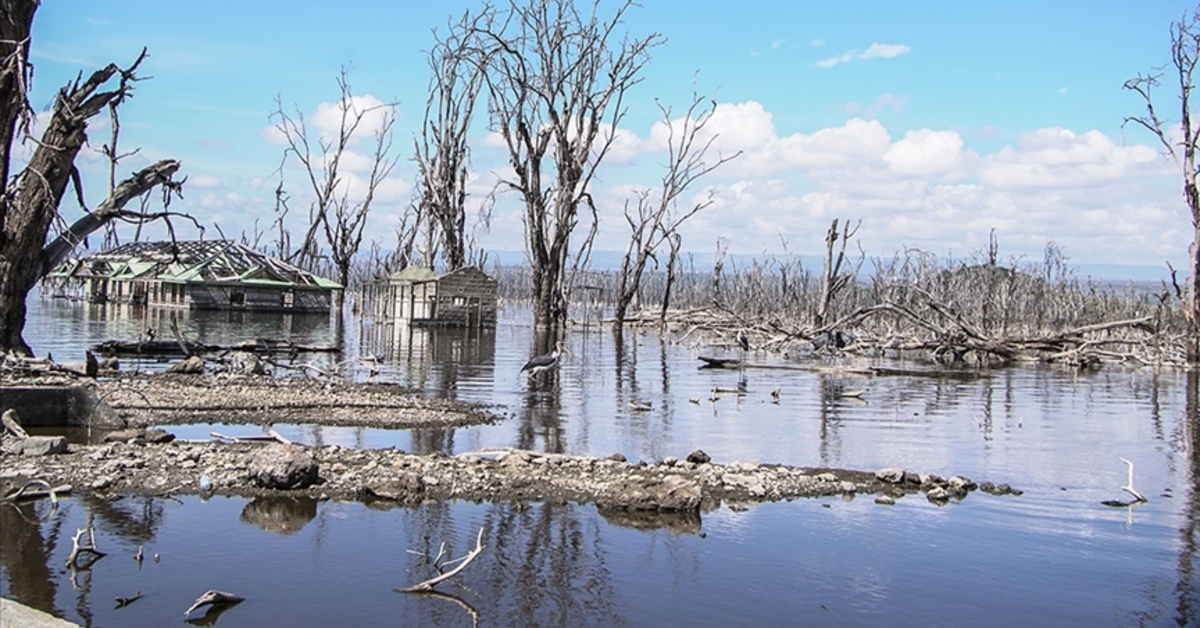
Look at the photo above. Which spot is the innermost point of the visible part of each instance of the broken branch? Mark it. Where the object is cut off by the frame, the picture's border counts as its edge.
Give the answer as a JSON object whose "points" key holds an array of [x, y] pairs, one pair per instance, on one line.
{"points": [[212, 596], [428, 585]]}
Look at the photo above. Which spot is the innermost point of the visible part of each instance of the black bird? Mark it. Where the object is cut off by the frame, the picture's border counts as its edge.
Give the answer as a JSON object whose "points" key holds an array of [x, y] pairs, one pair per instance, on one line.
{"points": [[544, 362]]}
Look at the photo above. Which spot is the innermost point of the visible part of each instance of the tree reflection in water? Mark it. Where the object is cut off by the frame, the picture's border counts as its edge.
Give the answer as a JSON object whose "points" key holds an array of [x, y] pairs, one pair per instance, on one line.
{"points": [[543, 565], [25, 553], [1188, 588]]}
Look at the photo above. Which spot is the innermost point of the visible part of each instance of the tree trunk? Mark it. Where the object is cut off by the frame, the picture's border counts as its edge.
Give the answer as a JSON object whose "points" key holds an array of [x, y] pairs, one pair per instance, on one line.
{"points": [[16, 20], [31, 203], [1192, 307]]}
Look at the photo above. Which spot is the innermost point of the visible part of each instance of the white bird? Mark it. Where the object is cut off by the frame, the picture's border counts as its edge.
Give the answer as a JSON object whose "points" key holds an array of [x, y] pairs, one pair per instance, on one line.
{"points": [[544, 362]]}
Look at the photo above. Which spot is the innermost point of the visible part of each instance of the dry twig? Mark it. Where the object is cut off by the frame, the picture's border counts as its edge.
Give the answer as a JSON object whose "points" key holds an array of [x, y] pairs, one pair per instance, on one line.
{"points": [[428, 585]]}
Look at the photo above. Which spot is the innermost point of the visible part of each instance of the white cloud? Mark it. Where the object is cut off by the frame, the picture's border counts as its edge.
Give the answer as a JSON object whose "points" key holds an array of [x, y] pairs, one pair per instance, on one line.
{"points": [[326, 121], [926, 152], [204, 181], [884, 51], [874, 51], [1100, 199]]}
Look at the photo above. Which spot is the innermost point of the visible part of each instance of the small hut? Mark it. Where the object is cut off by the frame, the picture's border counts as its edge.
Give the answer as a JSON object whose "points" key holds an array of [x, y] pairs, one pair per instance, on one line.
{"points": [[460, 298], [199, 275]]}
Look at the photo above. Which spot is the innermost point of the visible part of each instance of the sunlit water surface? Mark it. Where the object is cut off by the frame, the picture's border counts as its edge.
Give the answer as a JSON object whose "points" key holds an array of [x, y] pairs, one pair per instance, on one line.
{"points": [[1052, 557]]}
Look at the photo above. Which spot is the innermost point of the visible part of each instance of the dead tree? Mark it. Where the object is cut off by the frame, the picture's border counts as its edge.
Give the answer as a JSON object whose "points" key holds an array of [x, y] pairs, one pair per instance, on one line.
{"points": [[442, 152], [834, 279], [29, 200], [556, 81], [338, 211], [674, 244], [656, 218], [1180, 141]]}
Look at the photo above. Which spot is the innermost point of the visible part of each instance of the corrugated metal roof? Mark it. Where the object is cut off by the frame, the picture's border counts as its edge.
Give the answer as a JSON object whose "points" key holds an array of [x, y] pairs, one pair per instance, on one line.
{"points": [[210, 261]]}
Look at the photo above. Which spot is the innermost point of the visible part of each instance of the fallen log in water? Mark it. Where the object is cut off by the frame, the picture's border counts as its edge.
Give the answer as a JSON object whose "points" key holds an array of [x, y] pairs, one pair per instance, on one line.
{"points": [[187, 347]]}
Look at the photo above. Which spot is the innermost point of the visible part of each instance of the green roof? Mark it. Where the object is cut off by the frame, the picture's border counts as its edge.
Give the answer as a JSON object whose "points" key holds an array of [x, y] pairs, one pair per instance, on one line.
{"points": [[414, 274]]}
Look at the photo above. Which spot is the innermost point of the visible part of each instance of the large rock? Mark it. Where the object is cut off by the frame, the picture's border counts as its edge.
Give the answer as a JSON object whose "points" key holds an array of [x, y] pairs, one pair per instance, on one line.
{"points": [[191, 366], [247, 363], [43, 445], [672, 492], [891, 475], [404, 486], [282, 467]]}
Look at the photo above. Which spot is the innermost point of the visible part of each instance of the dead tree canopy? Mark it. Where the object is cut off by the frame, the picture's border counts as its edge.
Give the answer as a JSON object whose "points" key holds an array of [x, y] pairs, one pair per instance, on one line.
{"points": [[340, 205], [441, 149], [556, 80], [29, 200], [1180, 140], [654, 218]]}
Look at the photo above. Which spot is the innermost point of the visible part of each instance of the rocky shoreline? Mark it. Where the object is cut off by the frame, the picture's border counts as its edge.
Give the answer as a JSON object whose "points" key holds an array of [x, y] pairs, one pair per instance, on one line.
{"points": [[152, 463]]}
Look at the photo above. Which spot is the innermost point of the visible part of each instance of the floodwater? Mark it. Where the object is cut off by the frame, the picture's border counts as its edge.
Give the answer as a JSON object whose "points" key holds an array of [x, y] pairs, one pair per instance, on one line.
{"points": [[1054, 556]]}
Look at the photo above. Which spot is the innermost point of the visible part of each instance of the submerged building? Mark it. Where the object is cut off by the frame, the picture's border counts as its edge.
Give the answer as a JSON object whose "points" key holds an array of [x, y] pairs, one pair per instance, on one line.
{"points": [[212, 274], [465, 297]]}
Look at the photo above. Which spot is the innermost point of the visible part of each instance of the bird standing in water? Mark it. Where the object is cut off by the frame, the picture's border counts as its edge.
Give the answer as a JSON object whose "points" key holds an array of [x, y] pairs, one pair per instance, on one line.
{"points": [[545, 362]]}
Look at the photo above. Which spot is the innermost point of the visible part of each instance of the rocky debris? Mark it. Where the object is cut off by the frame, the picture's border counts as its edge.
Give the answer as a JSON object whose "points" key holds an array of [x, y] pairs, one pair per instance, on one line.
{"points": [[283, 467], [999, 489], [142, 400], [385, 477], [698, 457]]}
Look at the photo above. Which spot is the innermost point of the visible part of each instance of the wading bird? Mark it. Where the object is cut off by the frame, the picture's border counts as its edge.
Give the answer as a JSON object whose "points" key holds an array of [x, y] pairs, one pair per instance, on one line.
{"points": [[544, 362]]}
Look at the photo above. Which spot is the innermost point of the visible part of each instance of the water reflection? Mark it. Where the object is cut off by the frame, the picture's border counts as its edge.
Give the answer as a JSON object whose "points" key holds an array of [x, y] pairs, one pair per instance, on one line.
{"points": [[1188, 588], [549, 568], [280, 514], [25, 550], [1053, 555]]}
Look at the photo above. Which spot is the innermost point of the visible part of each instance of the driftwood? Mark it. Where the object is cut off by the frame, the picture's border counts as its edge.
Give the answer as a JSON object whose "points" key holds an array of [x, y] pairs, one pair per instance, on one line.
{"points": [[86, 551], [26, 366], [215, 598], [188, 347], [719, 363], [48, 491], [428, 585], [1129, 486], [270, 436], [12, 424], [929, 325], [122, 602]]}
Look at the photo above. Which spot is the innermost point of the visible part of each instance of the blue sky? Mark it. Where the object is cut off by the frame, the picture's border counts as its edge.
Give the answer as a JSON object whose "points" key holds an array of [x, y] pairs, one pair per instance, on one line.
{"points": [[933, 122]]}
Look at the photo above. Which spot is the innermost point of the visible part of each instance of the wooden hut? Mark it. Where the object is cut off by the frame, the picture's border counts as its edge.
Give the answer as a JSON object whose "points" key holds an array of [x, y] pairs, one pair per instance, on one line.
{"points": [[200, 275], [461, 298]]}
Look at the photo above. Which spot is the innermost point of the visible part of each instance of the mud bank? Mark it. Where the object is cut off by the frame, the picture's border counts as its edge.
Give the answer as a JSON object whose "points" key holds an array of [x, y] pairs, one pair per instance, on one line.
{"points": [[176, 399]]}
